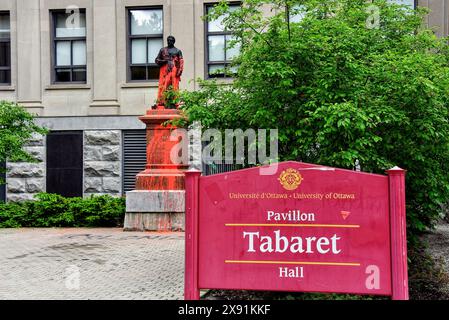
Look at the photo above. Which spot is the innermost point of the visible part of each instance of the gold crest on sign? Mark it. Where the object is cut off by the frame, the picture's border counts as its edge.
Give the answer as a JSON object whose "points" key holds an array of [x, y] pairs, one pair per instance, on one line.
{"points": [[290, 179]]}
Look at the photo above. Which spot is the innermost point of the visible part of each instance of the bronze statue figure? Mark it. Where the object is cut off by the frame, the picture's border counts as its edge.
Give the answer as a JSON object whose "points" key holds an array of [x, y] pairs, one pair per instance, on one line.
{"points": [[172, 65]]}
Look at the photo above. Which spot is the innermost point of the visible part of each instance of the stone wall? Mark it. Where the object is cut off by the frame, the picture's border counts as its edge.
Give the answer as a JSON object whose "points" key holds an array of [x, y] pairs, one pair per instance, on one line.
{"points": [[23, 179], [102, 165], [102, 162]]}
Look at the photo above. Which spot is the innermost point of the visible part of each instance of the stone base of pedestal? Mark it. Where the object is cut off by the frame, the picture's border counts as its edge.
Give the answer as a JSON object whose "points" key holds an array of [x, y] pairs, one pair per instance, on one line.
{"points": [[154, 221], [154, 210]]}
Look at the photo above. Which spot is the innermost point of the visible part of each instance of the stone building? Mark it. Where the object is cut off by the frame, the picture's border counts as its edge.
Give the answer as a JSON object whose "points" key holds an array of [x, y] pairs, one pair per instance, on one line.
{"points": [[86, 68]]}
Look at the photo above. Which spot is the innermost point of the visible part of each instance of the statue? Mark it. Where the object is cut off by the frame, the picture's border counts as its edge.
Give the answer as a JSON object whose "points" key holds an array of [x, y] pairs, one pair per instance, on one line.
{"points": [[172, 65]]}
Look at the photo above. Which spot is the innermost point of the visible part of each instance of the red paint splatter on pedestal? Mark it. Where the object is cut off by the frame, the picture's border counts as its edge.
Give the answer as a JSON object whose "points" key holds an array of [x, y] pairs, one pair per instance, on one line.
{"points": [[160, 172]]}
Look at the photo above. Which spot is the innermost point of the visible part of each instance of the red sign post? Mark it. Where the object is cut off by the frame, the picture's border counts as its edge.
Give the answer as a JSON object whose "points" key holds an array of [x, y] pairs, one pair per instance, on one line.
{"points": [[307, 228]]}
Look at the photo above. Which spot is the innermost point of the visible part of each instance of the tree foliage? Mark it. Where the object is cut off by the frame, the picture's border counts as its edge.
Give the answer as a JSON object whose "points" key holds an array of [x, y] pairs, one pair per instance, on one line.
{"points": [[341, 92], [16, 128]]}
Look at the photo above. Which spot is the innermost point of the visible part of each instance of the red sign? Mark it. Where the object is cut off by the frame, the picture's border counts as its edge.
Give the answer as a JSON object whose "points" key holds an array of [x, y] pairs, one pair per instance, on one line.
{"points": [[307, 228]]}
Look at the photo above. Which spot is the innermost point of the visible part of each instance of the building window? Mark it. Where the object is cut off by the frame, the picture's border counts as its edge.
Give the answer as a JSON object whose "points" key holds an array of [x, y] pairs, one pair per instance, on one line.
{"points": [[5, 49], [296, 13], [408, 3], [145, 39], [219, 54], [69, 47]]}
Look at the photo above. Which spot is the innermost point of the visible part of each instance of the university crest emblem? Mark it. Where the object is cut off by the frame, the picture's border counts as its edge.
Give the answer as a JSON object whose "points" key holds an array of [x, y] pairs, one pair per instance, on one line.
{"points": [[290, 179]]}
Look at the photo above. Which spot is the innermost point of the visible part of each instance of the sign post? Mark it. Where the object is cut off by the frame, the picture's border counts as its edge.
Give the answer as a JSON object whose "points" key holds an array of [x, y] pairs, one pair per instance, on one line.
{"points": [[307, 228], [396, 179], [191, 291]]}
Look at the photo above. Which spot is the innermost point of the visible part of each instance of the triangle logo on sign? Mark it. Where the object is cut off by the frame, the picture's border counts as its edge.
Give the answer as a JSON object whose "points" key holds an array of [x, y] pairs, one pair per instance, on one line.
{"points": [[345, 214]]}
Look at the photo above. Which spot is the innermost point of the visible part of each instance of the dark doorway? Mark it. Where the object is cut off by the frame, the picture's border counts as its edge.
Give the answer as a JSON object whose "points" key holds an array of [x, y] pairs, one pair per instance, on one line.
{"points": [[65, 163], [2, 182]]}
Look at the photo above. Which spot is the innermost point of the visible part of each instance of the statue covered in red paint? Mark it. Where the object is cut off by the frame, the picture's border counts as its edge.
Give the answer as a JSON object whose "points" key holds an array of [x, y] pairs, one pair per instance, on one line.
{"points": [[172, 65]]}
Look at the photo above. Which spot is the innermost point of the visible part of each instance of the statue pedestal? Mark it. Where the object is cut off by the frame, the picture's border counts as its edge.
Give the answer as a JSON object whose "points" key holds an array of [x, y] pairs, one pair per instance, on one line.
{"points": [[157, 204]]}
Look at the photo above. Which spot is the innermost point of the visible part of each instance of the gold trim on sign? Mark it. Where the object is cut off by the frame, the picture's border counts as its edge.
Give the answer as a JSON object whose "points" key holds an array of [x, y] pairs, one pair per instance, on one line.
{"points": [[292, 225], [348, 264]]}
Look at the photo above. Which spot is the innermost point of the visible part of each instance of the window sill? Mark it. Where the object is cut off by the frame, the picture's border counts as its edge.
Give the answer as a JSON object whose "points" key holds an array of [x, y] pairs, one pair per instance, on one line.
{"points": [[68, 87], [221, 81], [149, 84], [7, 88]]}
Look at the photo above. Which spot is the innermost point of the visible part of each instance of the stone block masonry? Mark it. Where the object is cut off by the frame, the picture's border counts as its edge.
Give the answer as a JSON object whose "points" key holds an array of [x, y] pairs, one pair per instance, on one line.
{"points": [[102, 165], [24, 180]]}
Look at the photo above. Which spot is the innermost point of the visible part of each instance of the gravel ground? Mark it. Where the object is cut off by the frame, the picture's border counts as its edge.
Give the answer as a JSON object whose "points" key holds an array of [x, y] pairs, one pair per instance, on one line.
{"points": [[438, 244]]}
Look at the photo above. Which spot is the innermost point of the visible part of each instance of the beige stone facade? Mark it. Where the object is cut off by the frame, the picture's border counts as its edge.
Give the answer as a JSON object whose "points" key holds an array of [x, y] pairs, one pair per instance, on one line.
{"points": [[438, 19], [107, 91], [107, 101]]}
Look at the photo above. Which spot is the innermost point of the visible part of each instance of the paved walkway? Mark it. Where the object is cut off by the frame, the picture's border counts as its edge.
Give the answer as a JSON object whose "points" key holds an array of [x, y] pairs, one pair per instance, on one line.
{"points": [[90, 264]]}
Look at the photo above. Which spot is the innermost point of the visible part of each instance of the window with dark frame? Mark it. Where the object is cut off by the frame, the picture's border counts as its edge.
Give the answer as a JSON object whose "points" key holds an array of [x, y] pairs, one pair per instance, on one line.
{"points": [[296, 13], [5, 48], [145, 39], [412, 4], [409, 3], [69, 47], [219, 54]]}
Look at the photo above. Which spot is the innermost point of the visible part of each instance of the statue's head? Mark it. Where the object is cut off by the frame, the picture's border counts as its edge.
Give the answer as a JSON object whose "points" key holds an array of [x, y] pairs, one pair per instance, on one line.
{"points": [[171, 41]]}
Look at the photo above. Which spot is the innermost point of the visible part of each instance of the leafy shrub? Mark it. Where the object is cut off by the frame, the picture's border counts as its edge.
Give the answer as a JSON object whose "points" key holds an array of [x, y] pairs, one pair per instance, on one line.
{"points": [[51, 210], [341, 94], [12, 215], [17, 127]]}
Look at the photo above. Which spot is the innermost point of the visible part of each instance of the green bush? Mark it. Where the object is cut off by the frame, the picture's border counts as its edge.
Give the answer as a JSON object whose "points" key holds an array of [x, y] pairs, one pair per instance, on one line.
{"points": [[341, 94], [17, 127], [51, 210]]}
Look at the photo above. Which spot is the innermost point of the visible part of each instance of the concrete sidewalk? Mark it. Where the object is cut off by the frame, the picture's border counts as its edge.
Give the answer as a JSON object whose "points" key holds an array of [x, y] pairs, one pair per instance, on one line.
{"points": [[90, 264]]}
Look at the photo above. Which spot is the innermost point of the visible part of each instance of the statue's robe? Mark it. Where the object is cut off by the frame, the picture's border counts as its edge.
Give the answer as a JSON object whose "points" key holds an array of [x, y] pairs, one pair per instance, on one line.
{"points": [[169, 77]]}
